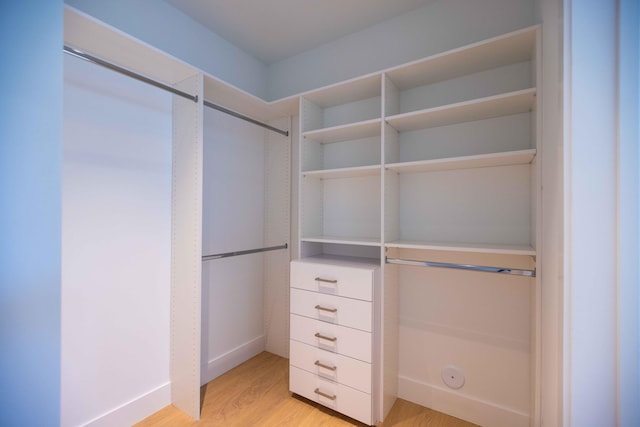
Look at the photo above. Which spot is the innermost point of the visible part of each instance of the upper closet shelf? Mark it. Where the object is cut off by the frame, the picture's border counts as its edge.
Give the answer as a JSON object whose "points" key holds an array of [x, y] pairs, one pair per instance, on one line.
{"points": [[346, 132], [346, 92], [486, 248], [88, 35], [520, 101], [511, 48], [233, 98], [521, 157]]}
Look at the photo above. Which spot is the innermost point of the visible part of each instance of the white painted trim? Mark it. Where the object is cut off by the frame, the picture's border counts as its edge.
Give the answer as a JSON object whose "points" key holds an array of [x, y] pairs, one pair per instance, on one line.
{"points": [[458, 405], [234, 357], [135, 410], [551, 243]]}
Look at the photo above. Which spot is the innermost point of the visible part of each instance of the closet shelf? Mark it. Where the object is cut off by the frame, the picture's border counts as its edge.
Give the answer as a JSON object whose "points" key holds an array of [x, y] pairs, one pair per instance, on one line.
{"points": [[351, 131], [521, 157], [486, 248], [344, 172], [520, 101], [506, 49], [344, 92], [361, 241]]}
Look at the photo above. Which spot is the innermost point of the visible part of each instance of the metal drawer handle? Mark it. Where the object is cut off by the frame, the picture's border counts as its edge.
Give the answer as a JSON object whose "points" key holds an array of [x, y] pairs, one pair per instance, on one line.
{"points": [[320, 279], [330, 310], [328, 396], [324, 337], [322, 365]]}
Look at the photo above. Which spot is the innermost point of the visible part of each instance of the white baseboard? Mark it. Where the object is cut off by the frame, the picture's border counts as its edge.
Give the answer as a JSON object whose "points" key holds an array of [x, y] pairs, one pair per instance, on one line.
{"points": [[458, 405], [135, 410], [231, 359]]}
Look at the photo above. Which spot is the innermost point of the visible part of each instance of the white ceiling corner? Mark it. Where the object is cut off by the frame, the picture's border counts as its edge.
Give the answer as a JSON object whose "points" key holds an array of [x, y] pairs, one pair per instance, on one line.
{"points": [[272, 30]]}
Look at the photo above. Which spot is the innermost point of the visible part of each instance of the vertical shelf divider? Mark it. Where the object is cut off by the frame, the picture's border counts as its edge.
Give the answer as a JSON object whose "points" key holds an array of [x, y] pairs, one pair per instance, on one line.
{"points": [[186, 248], [388, 298]]}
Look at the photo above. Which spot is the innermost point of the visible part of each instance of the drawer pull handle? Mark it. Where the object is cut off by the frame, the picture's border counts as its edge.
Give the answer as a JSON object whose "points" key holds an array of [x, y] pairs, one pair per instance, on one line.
{"points": [[330, 310], [324, 337], [322, 365], [320, 279], [328, 396]]}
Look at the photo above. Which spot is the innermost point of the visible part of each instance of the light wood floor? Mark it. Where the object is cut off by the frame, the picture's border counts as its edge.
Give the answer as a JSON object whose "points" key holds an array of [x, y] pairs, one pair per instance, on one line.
{"points": [[256, 393]]}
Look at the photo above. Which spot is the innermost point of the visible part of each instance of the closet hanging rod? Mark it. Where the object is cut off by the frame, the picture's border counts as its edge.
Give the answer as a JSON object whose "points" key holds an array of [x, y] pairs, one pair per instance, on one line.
{"points": [[501, 270], [98, 61], [243, 117], [249, 251]]}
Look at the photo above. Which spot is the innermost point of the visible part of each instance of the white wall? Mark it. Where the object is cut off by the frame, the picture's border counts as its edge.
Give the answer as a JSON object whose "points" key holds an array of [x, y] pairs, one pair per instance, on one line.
{"points": [[601, 217], [163, 26], [116, 242], [436, 27], [30, 188]]}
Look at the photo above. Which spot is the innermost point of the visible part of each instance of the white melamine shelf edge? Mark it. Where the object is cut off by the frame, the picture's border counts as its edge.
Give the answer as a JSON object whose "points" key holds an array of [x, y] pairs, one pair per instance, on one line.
{"points": [[487, 248], [477, 109], [498, 51], [353, 172], [361, 241], [520, 157], [345, 132]]}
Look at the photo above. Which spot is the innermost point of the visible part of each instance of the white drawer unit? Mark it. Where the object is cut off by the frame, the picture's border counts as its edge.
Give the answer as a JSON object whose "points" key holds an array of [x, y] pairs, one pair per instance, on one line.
{"points": [[333, 355]]}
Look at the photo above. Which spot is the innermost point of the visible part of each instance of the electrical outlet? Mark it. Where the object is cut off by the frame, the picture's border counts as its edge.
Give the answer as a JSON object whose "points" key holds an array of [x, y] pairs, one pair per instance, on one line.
{"points": [[452, 376]]}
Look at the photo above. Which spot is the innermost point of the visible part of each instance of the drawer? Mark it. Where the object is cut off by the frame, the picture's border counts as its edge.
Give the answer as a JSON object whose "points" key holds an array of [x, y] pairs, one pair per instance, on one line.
{"points": [[338, 397], [349, 312], [348, 282], [327, 336], [333, 366]]}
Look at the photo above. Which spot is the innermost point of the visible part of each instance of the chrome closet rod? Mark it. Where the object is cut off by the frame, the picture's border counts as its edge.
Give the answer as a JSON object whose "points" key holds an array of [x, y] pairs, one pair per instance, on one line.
{"points": [[243, 117], [103, 63], [248, 251], [501, 270]]}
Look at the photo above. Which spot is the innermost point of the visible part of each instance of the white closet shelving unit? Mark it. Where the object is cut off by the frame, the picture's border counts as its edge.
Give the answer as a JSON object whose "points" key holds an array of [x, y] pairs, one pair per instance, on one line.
{"points": [[454, 136], [434, 160]]}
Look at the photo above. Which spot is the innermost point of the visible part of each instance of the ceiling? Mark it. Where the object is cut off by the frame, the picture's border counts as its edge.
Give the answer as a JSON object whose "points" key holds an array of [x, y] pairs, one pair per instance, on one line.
{"points": [[272, 30]]}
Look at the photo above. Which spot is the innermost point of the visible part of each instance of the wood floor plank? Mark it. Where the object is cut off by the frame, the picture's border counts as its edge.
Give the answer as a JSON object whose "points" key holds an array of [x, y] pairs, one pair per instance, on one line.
{"points": [[256, 393]]}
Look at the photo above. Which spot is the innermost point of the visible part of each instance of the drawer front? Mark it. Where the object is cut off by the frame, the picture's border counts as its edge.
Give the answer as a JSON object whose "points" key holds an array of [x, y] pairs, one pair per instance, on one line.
{"points": [[331, 279], [349, 312], [327, 336], [338, 397], [336, 367]]}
